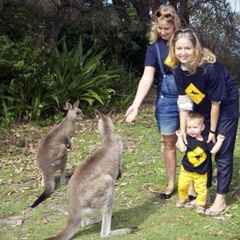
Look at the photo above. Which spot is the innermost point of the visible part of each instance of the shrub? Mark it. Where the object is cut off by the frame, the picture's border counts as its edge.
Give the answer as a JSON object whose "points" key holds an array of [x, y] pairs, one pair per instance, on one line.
{"points": [[23, 81], [82, 75]]}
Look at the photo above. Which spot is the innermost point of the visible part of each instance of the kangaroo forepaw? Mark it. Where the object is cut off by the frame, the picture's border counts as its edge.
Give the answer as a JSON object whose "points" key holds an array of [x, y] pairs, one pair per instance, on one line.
{"points": [[64, 180]]}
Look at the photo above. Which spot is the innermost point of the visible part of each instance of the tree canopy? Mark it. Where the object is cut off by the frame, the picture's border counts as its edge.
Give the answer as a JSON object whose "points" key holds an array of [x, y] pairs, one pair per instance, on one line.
{"points": [[31, 30]]}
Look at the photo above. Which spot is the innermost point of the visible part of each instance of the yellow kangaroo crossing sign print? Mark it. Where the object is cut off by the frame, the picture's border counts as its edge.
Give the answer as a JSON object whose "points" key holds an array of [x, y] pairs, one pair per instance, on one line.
{"points": [[197, 156], [193, 92]]}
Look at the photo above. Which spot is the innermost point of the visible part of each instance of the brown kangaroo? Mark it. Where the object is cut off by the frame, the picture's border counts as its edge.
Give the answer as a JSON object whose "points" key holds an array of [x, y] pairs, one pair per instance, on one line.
{"points": [[52, 152], [91, 188]]}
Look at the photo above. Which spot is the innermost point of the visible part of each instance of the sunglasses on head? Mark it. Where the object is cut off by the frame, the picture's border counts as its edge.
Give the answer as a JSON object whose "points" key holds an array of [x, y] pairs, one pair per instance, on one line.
{"points": [[166, 15], [187, 31]]}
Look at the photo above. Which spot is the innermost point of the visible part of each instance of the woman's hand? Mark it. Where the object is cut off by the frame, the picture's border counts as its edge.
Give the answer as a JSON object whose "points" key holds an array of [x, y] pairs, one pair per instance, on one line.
{"points": [[131, 114], [211, 137]]}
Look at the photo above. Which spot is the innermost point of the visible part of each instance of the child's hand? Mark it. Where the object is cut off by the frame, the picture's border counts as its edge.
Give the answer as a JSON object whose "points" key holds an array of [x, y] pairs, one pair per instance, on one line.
{"points": [[179, 133], [220, 138], [182, 135]]}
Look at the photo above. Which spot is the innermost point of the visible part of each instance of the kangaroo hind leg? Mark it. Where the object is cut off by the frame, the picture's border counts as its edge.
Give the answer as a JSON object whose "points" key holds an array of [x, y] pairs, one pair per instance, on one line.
{"points": [[106, 226], [43, 181], [106, 223], [107, 220], [63, 179]]}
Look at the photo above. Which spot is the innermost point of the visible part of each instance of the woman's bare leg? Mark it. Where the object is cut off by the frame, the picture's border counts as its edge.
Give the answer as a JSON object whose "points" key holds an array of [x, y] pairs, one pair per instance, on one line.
{"points": [[170, 160]]}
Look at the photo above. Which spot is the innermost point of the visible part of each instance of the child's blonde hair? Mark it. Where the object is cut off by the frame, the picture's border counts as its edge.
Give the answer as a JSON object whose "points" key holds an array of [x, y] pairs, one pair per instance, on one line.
{"points": [[167, 13], [196, 117]]}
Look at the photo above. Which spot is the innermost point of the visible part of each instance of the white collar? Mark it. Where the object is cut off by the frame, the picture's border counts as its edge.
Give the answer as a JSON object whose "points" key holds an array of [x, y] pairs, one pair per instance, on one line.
{"points": [[183, 67]]}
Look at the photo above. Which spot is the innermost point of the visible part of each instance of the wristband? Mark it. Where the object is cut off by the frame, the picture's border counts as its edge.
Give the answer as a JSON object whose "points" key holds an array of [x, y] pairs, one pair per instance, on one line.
{"points": [[212, 131]]}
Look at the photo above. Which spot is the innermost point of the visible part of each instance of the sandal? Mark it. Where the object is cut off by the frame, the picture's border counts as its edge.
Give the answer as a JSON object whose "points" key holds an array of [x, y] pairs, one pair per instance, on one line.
{"points": [[212, 213], [166, 196], [191, 204], [200, 210], [181, 203]]}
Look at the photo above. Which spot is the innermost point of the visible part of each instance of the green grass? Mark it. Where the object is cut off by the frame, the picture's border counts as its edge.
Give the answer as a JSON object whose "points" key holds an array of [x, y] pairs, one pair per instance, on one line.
{"points": [[137, 202]]}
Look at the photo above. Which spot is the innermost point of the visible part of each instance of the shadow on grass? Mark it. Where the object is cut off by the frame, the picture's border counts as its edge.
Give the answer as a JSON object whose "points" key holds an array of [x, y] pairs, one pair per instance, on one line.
{"points": [[125, 218]]}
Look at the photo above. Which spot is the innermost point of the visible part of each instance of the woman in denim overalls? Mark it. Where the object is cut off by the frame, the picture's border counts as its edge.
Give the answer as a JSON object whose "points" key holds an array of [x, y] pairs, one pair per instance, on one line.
{"points": [[165, 22]]}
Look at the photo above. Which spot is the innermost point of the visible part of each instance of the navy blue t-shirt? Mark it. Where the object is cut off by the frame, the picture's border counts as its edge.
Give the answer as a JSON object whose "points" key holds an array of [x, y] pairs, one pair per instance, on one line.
{"points": [[151, 58], [212, 82], [197, 156]]}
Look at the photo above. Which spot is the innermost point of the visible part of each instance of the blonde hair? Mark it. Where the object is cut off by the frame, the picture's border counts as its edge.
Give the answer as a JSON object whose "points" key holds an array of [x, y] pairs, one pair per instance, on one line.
{"points": [[163, 12], [201, 55], [196, 117]]}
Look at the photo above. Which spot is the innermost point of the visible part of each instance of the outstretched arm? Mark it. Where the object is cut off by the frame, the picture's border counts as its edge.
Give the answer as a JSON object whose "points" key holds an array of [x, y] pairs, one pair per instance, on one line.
{"points": [[143, 88]]}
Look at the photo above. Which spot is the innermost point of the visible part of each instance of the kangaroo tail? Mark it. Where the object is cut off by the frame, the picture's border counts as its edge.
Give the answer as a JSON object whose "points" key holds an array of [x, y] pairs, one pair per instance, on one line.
{"points": [[124, 231], [67, 232], [46, 193]]}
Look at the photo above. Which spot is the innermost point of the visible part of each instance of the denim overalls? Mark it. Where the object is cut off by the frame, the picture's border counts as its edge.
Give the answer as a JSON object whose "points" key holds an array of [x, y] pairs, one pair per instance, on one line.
{"points": [[166, 113]]}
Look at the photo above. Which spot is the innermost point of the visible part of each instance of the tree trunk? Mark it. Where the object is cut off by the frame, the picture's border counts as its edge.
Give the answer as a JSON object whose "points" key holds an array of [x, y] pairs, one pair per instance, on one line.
{"points": [[142, 8], [58, 23], [184, 13], [121, 10], [154, 5], [182, 10]]}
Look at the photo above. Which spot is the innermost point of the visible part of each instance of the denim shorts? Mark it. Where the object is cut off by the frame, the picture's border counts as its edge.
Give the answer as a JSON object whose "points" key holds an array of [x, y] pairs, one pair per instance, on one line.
{"points": [[167, 114]]}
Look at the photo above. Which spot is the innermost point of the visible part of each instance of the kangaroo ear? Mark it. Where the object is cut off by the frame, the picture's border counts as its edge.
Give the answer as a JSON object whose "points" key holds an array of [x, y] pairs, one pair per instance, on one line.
{"points": [[97, 113], [76, 104], [112, 112], [68, 106]]}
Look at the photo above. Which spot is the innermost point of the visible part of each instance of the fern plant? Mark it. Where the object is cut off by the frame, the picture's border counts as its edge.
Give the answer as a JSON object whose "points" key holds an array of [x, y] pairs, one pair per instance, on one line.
{"points": [[41, 84], [82, 75]]}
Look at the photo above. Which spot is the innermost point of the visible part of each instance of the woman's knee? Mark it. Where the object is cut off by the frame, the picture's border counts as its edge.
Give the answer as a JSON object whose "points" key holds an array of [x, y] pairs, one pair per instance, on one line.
{"points": [[169, 145]]}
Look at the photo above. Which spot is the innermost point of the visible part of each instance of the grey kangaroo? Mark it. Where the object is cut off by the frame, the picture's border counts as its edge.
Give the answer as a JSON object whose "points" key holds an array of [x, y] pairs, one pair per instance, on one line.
{"points": [[91, 188], [52, 152]]}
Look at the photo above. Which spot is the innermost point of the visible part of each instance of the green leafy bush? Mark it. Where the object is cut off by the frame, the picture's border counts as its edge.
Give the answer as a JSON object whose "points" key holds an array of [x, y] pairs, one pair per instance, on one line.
{"points": [[34, 83], [38, 83], [23, 78], [82, 75]]}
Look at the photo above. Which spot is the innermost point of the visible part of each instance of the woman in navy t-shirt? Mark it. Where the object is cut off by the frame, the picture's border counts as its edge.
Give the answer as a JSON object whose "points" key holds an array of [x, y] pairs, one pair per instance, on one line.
{"points": [[204, 83], [165, 22]]}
